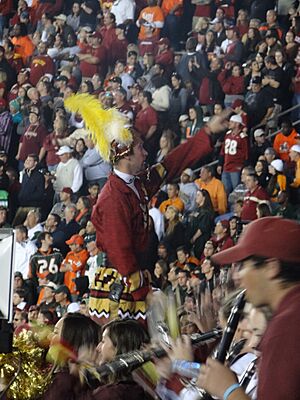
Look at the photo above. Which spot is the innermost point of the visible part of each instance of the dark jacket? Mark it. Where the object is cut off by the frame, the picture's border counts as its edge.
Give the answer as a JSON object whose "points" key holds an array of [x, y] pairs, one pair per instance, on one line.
{"points": [[210, 90], [69, 229], [32, 189], [182, 67], [66, 386], [4, 182]]}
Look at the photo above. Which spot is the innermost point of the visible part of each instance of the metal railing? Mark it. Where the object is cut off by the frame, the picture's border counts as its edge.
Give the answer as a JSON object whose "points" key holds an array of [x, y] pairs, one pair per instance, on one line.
{"points": [[281, 114]]}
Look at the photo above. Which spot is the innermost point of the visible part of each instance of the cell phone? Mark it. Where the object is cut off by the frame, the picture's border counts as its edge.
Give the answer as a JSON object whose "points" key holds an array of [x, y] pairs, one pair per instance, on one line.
{"points": [[116, 291]]}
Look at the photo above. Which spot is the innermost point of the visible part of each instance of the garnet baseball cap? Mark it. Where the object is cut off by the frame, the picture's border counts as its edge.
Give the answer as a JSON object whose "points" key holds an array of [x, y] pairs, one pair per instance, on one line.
{"points": [[164, 40], [67, 190], [96, 34], [75, 239], [268, 237], [237, 103]]}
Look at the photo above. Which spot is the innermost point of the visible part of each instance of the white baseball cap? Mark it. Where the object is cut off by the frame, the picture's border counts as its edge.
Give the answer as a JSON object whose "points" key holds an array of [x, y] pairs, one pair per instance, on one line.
{"points": [[278, 165], [259, 132], [73, 308], [183, 117], [64, 150], [51, 285], [188, 172], [296, 148], [61, 17], [236, 118]]}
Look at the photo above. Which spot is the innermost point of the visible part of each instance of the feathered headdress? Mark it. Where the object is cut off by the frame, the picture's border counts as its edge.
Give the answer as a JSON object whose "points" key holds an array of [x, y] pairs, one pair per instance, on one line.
{"points": [[107, 127]]}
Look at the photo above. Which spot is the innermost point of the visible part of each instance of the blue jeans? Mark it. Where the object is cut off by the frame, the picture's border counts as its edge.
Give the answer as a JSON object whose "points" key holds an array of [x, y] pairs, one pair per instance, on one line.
{"points": [[172, 30], [230, 180]]}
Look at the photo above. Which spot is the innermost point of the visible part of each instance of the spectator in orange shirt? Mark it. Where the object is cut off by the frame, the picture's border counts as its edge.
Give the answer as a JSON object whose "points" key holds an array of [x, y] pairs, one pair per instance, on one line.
{"points": [[285, 139], [22, 42], [74, 264], [184, 258], [173, 200], [152, 15], [214, 187]]}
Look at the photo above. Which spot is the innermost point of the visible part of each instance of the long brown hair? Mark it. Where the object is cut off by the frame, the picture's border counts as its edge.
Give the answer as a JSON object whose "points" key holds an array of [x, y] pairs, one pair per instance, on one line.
{"points": [[174, 222], [207, 200], [126, 335]]}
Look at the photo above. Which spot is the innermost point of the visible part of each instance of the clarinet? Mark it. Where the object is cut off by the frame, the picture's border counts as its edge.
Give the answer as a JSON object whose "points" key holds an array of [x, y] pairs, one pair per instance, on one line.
{"points": [[228, 335], [135, 359], [248, 374]]}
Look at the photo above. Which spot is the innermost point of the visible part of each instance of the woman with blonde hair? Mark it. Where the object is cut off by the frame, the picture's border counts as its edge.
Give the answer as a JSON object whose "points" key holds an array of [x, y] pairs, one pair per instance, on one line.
{"points": [[166, 144]]}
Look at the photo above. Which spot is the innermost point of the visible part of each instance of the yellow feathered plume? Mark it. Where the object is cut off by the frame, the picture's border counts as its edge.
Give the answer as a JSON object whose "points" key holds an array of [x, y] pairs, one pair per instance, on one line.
{"points": [[105, 126]]}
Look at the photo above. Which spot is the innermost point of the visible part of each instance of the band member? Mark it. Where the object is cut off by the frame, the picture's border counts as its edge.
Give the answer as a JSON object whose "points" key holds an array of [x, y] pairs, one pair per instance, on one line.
{"points": [[270, 273], [121, 213]]}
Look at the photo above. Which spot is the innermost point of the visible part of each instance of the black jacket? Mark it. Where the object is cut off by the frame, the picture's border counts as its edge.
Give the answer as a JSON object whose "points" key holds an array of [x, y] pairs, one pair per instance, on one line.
{"points": [[32, 189]]}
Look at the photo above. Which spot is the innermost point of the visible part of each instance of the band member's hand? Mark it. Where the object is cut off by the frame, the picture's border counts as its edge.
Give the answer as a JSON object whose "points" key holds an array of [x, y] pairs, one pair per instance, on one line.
{"points": [[87, 358], [147, 276], [215, 378], [163, 367], [194, 319], [181, 349], [219, 123]]}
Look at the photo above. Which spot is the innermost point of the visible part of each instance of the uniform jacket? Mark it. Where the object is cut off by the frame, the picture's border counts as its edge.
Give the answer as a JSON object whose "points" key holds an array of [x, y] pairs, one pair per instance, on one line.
{"points": [[121, 218]]}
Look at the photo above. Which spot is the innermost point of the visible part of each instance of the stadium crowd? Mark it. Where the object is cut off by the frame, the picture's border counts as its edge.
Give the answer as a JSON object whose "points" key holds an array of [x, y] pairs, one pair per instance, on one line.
{"points": [[168, 67]]}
